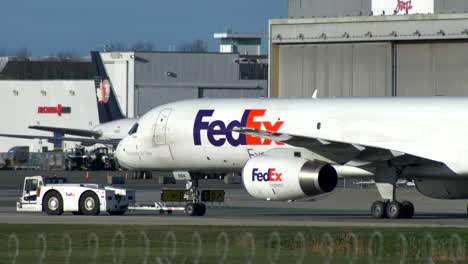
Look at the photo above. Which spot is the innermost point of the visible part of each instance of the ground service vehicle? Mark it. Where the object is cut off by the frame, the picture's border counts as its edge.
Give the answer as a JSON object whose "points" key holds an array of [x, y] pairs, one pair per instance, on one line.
{"points": [[15, 157], [100, 159], [55, 196], [75, 159], [97, 159]]}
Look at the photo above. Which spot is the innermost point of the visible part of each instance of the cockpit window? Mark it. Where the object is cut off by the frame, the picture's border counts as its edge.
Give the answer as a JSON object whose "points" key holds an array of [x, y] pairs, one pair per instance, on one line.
{"points": [[134, 129]]}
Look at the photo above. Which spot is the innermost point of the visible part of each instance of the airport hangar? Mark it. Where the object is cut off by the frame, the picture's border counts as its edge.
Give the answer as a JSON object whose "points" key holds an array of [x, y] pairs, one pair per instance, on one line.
{"points": [[141, 80], [350, 48], [144, 80]]}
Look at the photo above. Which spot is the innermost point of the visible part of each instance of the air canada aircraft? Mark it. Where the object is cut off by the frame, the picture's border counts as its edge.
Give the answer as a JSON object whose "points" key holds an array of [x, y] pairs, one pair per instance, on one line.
{"points": [[291, 149], [113, 125]]}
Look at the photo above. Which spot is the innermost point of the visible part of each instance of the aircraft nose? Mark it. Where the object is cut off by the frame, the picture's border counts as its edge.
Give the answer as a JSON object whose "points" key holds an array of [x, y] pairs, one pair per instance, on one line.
{"points": [[121, 153]]}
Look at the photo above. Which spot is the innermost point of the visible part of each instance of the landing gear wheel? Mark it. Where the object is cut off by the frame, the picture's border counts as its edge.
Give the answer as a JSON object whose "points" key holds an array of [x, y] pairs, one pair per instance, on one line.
{"points": [[89, 203], [408, 209], [378, 209], [200, 209], [190, 209], [53, 203], [395, 210]]}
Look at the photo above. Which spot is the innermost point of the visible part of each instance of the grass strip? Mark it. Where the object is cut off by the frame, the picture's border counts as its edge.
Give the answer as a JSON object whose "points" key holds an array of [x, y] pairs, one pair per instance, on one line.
{"points": [[228, 244]]}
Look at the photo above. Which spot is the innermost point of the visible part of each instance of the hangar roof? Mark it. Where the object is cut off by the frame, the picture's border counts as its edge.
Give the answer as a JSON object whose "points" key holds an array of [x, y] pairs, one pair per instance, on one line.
{"points": [[47, 68], [369, 28]]}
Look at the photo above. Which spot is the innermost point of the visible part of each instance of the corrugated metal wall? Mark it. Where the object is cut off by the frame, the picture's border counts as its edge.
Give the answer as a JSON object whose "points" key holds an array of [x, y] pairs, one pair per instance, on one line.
{"points": [[150, 96], [187, 67], [162, 78], [450, 6], [432, 69], [335, 70], [231, 93], [167, 77], [335, 8]]}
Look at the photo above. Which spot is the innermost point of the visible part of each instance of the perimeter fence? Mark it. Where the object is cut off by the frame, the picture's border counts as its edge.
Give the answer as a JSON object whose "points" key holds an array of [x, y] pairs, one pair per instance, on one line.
{"points": [[236, 245], [32, 160]]}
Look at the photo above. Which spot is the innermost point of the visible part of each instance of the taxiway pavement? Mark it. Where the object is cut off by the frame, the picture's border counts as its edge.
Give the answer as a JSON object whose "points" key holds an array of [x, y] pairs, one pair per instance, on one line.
{"points": [[344, 207]]}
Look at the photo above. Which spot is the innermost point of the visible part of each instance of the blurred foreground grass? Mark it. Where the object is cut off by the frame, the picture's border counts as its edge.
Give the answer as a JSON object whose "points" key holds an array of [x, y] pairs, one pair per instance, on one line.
{"points": [[226, 244]]}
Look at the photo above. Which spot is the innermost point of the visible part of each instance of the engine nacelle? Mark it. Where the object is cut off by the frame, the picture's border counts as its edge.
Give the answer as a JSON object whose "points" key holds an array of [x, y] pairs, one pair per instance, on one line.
{"points": [[287, 178]]}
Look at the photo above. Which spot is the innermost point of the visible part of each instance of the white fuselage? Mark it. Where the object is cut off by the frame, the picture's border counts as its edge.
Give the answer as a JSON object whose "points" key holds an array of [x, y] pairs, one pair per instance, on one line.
{"points": [[196, 135]]}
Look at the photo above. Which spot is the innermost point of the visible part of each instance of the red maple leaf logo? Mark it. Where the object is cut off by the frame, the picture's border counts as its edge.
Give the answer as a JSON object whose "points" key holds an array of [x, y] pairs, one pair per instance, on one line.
{"points": [[403, 6]]}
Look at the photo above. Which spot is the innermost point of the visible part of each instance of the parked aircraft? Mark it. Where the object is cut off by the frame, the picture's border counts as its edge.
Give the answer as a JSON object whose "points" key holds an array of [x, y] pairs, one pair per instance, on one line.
{"points": [[113, 125], [290, 149], [108, 133]]}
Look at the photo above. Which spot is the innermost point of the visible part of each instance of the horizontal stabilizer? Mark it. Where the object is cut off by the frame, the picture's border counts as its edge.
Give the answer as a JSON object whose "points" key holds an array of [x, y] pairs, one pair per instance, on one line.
{"points": [[84, 141], [69, 131]]}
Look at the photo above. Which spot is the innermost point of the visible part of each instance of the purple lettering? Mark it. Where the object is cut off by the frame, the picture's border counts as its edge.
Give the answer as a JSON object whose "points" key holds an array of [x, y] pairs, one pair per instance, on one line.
{"points": [[216, 128], [234, 141], [218, 133], [269, 175], [200, 125], [254, 173]]}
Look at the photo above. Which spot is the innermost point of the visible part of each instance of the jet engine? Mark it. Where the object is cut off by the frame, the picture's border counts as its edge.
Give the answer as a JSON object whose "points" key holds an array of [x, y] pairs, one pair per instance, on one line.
{"points": [[287, 178]]}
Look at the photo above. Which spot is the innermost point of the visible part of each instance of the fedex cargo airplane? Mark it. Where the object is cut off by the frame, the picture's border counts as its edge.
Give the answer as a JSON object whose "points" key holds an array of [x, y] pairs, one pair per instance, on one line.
{"points": [[290, 149]]}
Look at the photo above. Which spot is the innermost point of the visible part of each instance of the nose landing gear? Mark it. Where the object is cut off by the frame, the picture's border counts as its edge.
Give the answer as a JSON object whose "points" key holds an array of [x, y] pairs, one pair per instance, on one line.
{"points": [[196, 207]]}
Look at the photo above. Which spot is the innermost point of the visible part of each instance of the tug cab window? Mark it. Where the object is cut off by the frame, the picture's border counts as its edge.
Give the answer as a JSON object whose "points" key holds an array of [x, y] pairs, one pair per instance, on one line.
{"points": [[134, 129], [31, 185]]}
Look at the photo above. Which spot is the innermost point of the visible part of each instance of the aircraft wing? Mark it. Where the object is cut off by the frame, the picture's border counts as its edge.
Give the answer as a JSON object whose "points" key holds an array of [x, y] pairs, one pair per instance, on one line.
{"points": [[69, 131], [84, 141], [339, 152]]}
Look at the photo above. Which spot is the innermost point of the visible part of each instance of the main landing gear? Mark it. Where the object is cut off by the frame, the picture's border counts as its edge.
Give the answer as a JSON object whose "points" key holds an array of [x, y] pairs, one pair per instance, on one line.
{"points": [[389, 207], [392, 209], [195, 207]]}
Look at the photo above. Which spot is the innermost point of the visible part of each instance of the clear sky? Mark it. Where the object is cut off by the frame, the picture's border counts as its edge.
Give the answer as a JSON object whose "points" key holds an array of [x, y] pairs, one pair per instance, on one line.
{"points": [[46, 27]]}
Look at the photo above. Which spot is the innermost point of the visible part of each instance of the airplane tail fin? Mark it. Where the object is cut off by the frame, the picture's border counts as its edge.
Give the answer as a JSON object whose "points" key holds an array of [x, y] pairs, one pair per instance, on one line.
{"points": [[108, 106]]}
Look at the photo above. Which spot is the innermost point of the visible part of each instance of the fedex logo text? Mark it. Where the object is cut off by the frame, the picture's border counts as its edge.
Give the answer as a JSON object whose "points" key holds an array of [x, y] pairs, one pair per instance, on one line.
{"points": [[218, 132], [268, 176]]}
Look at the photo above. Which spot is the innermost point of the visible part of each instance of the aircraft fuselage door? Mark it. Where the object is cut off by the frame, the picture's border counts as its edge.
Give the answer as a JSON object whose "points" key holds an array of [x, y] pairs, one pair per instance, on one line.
{"points": [[160, 126]]}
